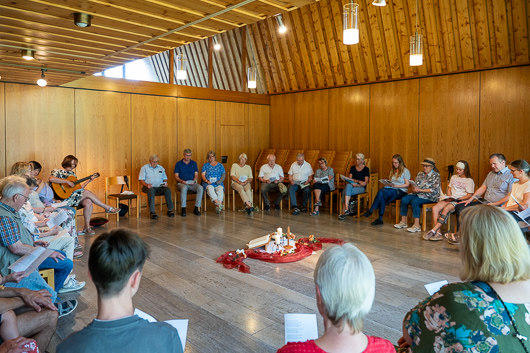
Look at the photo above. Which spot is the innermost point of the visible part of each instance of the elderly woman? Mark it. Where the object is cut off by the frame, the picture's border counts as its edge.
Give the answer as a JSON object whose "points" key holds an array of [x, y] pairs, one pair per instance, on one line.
{"points": [[360, 175], [324, 182], [519, 199], [213, 175], [427, 190], [399, 183], [490, 311], [345, 290], [241, 175]]}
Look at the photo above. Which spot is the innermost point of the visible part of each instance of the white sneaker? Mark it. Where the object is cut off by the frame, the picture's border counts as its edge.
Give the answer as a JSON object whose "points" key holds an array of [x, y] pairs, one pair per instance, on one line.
{"points": [[71, 285], [414, 229], [400, 225]]}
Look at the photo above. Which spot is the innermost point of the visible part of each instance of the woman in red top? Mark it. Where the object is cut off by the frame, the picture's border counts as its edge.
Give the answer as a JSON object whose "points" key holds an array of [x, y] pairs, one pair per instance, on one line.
{"points": [[345, 288]]}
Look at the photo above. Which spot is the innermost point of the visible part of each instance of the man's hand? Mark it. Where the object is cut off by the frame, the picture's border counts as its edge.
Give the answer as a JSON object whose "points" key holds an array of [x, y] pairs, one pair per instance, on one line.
{"points": [[57, 256], [15, 345], [42, 243], [14, 277], [37, 299], [149, 186], [466, 202]]}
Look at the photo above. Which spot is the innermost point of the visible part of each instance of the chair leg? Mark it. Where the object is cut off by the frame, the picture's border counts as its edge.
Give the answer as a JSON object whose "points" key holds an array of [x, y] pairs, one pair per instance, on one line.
{"points": [[117, 214], [424, 220], [233, 200]]}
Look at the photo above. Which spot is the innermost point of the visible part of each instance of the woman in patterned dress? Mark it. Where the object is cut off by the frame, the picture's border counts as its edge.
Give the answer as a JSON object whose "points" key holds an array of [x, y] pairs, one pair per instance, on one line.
{"points": [[85, 198], [490, 312]]}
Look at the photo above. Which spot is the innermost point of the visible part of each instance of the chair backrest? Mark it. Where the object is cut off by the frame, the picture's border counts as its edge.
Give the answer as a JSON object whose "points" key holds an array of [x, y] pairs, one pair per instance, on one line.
{"points": [[310, 156], [340, 163], [116, 180], [262, 158], [328, 155], [280, 157], [290, 159]]}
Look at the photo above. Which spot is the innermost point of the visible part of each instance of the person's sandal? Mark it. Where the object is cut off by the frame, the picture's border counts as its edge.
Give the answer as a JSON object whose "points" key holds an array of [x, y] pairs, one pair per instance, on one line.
{"points": [[66, 307], [314, 213], [87, 231], [112, 210]]}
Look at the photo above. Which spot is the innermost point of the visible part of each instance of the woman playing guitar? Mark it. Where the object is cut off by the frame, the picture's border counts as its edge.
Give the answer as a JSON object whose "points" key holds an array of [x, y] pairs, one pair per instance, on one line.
{"points": [[83, 197]]}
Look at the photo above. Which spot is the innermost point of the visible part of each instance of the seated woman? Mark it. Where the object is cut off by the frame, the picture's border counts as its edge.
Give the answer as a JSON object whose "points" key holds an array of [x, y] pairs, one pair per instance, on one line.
{"points": [[241, 175], [213, 175], [345, 291], [460, 188], [520, 170], [360, 175], [427, 191], [85, 198], [399, 177], [323, 183], [490, 311]]}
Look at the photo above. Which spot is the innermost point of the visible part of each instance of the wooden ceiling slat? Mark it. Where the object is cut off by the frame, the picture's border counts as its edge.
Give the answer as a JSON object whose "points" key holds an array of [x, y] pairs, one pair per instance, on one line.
{"points": [[235, 53], [521, 13], [290, 47], [316, 65], [377, 41], [222, 62], [447, 36], [364, 55], [466, 49], [229, 62], [299, 34], [193, 79], [347, 63], [258, 45], [281, 62], [403, 36], [203, 62], [482, 33], [375, 15], [341, 72], [425, 68], [257, 60], [386, 14], [322, 47], [269, 55], [431, 37], [474, 41]]}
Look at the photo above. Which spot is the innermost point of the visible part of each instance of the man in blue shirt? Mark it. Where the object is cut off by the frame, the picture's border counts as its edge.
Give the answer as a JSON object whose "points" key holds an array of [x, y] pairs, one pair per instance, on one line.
{"points": [[186, 174], [154, 182]]}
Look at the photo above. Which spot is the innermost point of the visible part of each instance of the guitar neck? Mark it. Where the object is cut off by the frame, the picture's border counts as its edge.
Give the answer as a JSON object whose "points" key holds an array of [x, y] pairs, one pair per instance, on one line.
{"points": [[82, 180]]}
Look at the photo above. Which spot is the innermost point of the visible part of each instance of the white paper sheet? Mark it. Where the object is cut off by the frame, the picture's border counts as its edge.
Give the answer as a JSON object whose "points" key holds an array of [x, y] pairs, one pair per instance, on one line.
{"points": [[190, 182], [59, 204], [435, 286], [243, 178], [180, 325], [212, 180], [300, 327], [29, 262], [57, 219]]}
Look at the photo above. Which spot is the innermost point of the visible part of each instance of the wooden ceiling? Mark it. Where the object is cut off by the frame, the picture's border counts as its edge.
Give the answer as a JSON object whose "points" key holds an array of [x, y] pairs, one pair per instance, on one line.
{"points": [[121, 31]]}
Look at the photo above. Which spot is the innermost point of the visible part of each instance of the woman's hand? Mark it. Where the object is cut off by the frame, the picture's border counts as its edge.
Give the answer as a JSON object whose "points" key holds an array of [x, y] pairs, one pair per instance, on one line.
{"points": [[415, 189], [402, 343], [14, 277], [69, 183]]}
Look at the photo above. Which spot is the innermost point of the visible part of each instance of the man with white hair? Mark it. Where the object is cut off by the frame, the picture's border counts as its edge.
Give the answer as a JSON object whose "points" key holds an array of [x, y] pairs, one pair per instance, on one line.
{"points": [[300, 176], [271, 178], [154, 182]]}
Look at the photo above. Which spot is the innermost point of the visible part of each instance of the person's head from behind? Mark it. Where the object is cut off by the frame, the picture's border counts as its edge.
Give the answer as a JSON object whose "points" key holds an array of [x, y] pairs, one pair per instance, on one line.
{"points": [[493, 248], [116, 260], [345, 284], [20, 169]]}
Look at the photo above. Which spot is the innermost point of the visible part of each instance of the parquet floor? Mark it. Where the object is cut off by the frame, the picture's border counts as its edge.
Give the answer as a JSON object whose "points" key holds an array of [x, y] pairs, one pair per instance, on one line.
{"points": [[230, 311]]}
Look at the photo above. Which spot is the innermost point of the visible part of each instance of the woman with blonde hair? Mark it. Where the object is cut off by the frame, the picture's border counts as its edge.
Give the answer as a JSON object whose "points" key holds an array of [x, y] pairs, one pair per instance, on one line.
{"points": [[241, 175], [490, 311], [21, 168]]}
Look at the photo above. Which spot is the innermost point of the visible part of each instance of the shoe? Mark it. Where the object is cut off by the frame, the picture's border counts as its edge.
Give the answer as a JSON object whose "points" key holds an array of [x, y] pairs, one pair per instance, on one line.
{"points": [[277, 206], [296, 211], [377, 222], [66, 307], [251, 209], [367, 214], [71, 285], [78, 254], [437, 237], [221, 206], [400, 225], [154, 215], [218, 208], [414, 229], [248, 210], [342, 217], [78, 248], [452, 238], [347, 213], [171, 213], [318, 203], [429, 235], [314, 213], [196, 211], [70, 276], [183, 211], [87, 231], [303, 209], [112, 210], [267, 208]]}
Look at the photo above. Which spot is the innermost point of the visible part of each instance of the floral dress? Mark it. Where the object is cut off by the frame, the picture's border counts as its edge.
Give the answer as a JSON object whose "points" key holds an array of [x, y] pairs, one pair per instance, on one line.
{"points": [[466, 317], [75, 198], [213, 172]]}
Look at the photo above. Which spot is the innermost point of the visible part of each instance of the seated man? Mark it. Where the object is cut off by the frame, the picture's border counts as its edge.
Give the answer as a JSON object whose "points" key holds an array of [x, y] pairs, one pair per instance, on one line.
{"points": [[271, 178], [300, 176], [115, 265], [16, 241], [154, 182], [186, 173]]}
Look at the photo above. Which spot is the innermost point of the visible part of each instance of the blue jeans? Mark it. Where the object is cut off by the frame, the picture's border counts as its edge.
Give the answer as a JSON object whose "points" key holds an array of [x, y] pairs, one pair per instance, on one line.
{"points": [[34, 281], [350, 190], [415, 203], [61, 269], [292, 194], [152, 192], [384, 197]]}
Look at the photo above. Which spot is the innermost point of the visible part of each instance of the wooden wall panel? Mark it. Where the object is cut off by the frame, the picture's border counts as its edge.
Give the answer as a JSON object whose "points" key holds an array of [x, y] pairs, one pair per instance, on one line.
{"points": [[505, 112], [394, 125], [282, 121], [349, 119], [311, 120], [258, 135], [196, 128], [39, 125], [228, 113], [231, 119], [103, 136], [154, 130], [449, 120], [3, 145]]}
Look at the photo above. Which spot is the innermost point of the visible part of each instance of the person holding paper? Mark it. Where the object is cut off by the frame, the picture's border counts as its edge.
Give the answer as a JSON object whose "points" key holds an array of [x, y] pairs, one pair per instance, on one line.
{"points": [[324, 182], [490, 310], [271, 177], [300, 176], [115, 264], [154, 182], [460, 188], [241, 175], [213, 175], [425, 189], [399, 183], [345, 291], [519, 198], [360, 175], [186, 174]]}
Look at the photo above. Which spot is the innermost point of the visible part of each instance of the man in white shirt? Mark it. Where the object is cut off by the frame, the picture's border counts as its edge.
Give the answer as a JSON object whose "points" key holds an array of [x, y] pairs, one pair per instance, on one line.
{"points": [[300, 176], [271, 177], [154, 182]]}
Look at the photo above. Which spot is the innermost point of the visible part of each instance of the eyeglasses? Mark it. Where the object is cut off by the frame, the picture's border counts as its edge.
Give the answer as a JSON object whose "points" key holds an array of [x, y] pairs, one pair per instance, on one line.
{"points": [[26, 198]]}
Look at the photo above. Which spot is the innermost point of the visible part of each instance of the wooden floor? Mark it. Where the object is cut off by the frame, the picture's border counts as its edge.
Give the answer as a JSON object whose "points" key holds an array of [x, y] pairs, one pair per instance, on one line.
{"points": [[230, 311]]}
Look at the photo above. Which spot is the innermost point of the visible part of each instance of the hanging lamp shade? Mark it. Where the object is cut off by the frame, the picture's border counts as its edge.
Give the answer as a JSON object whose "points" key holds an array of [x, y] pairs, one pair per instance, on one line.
{"points": [[416, 49], [350, 24], [379, 3], [42, 80], [182, 65], [252, 77]]}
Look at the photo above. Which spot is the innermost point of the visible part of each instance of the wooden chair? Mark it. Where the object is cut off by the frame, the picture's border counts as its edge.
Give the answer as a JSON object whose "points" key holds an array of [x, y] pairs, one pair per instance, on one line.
{"points": [[425, 207], [310, 156], [140, 192], [290, 158], [190, 196], [120, 180], [48, 275], [281, 155], [340, 162]]}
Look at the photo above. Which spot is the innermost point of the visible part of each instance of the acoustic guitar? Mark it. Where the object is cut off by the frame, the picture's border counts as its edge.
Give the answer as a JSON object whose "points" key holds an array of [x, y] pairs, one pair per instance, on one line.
{"points": [[64, 191]]}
